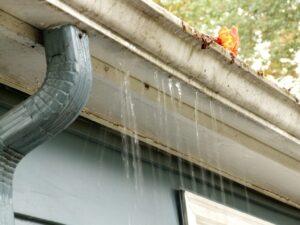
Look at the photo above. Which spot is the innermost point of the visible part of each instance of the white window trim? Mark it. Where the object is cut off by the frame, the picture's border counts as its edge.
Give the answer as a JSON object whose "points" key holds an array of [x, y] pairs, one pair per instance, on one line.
{"points": [[201, 211]]}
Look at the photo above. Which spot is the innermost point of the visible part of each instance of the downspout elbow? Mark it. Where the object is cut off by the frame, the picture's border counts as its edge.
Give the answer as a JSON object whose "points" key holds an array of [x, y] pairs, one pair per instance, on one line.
{"points": [[60, 99], [54, 107]]}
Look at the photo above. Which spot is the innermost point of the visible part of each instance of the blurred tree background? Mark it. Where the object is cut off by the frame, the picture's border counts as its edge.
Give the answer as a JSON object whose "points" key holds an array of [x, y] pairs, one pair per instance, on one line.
{"points": [[269, 29]]}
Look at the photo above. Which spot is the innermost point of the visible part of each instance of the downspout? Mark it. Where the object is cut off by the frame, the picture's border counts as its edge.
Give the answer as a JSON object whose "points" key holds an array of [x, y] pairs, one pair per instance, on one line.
{"points": [[58, 103]]}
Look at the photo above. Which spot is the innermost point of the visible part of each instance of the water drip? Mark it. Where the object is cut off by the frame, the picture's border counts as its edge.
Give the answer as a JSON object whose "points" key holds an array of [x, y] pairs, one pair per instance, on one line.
{"points": [[131, 147]]}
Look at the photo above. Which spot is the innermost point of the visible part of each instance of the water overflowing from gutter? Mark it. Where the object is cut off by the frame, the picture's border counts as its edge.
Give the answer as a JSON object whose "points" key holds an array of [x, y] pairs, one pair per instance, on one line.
{"points": [[198, 142], [216, 147], [175, 104], [131, 146], [167, 118], [183, 175]]}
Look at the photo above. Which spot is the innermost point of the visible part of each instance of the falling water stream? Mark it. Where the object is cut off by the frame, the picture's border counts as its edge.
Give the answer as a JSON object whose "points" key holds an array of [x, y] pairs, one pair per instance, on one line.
{"points": [[165, 113], [131, 152], [197, 134], [181, 173], [173, 172], [168, 108], [168, 99]]}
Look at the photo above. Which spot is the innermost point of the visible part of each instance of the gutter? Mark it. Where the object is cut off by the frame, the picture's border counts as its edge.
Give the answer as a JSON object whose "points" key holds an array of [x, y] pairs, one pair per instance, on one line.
{"points": [[148, 21], [45, 114], [210, 71]]}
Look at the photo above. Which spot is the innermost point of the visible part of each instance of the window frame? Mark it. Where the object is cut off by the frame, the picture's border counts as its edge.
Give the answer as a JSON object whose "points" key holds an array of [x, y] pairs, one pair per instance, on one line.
{"points": [[198, 210]]}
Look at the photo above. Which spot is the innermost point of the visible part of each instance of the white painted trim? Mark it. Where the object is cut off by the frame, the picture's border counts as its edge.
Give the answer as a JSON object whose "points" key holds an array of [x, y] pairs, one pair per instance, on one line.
{"points": [[202, 211]]}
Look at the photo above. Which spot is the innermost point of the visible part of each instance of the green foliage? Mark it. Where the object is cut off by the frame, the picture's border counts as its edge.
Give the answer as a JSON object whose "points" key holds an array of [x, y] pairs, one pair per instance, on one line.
{"points": [[270, 24]]}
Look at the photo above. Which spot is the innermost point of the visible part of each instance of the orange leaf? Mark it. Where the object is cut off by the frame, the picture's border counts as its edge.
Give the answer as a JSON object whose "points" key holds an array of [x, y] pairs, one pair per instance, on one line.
{"points": [[229, 39]]}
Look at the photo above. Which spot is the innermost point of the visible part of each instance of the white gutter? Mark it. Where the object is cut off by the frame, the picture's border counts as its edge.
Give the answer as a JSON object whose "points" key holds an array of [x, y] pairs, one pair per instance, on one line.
{"points": [[251, 113], [165, 36], [210, 70]]}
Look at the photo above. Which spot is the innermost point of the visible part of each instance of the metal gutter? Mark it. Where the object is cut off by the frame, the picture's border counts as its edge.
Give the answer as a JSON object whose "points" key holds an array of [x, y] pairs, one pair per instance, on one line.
{"points": [[135, 36], [175, 44], [231, 84], [45, 114]]}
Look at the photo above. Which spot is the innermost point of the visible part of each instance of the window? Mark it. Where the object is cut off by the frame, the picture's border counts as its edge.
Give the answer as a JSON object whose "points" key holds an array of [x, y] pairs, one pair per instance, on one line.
{"points": [[201, 211]]}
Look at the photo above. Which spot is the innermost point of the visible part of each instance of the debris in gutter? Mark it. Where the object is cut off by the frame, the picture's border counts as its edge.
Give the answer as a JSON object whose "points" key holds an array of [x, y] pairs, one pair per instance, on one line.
{"points": [[205, 39], [229, 39], [232, 58], [260, 73]]}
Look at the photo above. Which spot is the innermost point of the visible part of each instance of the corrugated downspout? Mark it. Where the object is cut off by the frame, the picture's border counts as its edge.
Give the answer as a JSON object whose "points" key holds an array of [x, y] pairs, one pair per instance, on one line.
{"points": [[48, 112]]}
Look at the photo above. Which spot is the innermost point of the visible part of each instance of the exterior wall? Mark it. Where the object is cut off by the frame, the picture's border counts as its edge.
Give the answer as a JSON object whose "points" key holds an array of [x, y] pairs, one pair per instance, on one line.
{"points": [[80, 178]]}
